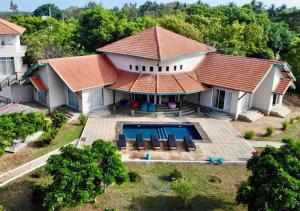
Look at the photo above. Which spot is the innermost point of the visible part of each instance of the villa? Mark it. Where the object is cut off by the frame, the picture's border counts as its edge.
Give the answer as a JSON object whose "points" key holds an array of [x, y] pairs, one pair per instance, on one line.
{"points": [[159, 71]]}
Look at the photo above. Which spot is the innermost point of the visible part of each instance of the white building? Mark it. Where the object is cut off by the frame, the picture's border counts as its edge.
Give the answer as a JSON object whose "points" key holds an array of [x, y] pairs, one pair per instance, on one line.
{"points": [[11, 64], [159, 67]]}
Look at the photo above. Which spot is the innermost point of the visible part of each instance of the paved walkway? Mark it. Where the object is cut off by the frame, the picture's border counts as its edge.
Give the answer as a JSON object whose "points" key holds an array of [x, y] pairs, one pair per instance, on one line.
{"points": [[225, 140], [27, 167], [264, 143]]}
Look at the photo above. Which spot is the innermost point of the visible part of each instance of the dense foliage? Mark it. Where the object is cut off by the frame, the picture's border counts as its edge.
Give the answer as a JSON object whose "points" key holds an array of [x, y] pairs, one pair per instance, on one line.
{"points": [[275, 180], [250, 30], [19, 126], [48, 10], [79, 175]]}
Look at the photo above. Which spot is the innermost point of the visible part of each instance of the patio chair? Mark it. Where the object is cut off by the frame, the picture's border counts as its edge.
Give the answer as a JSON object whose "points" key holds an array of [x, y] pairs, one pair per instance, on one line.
{"points": [[172, 142], [188, 140], [140, 143], [155, 142], [122, 141]]}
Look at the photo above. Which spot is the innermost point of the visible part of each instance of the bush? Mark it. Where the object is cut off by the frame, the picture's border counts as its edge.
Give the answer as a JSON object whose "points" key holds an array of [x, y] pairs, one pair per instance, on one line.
{"points": [[175, 175], [48, 136], [249, 134], [83, 119], [285, 125], [38, 173], [270, 131], [58, 119], [182, 189], [38, 194], [134, 177], [1, 207]]}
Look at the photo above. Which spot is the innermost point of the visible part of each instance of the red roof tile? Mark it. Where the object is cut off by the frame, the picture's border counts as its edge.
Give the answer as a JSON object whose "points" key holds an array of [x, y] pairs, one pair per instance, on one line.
{"points": [[38, 83], [156, 43], [8, 28], [284, 83], [157, 83], [234, 72], [83, 72]]}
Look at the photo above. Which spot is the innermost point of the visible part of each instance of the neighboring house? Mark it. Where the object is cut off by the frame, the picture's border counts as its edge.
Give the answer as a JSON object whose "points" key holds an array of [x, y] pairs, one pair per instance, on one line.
{"points": [[11, 64], [159, 66]]}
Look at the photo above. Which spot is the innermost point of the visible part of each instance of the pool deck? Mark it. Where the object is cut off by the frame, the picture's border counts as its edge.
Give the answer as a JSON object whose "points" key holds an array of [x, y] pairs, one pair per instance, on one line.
{"points": [[224, 139]]}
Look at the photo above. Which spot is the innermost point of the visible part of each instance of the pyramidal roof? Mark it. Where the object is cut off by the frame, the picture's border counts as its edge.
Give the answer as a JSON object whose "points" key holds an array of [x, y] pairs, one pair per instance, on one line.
{"points": [[156, 43], [8, 28]]}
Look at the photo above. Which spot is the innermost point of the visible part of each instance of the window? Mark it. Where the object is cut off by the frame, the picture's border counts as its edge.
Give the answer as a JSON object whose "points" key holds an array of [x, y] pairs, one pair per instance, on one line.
{"points": [[181, 67], [144, 68], [7, 66], [136, 68], [159, 68], [151, 69], [167, 68], [130, 67], [175, 67]]}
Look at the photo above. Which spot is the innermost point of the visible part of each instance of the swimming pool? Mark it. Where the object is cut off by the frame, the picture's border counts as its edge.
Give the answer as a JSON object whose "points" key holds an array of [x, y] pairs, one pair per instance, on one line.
{"points": [[162, 130]]}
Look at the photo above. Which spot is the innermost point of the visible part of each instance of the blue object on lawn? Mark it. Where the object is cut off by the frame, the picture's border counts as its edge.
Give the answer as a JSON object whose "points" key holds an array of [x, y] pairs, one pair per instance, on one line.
{"points": [[124, 102], [151, 107], [148, 156], [143, 107], [220, 160], [211, 160]]}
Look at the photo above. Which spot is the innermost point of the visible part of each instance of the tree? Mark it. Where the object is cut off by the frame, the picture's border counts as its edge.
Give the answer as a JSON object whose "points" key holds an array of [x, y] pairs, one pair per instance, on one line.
{"points": [[275, 180], [50, 10], [79, 175]]}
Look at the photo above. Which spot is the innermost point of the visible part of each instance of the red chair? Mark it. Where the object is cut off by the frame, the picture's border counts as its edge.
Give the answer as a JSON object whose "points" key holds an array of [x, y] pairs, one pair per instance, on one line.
{"points": [[135, 104]]}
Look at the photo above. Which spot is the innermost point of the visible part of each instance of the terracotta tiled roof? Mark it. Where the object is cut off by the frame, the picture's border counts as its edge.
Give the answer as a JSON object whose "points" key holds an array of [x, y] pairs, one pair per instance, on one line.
{"points": [[156, 43], [8, 28], [284, 83], [38, 83], [234, 72], [157, 84], [83, 72]]}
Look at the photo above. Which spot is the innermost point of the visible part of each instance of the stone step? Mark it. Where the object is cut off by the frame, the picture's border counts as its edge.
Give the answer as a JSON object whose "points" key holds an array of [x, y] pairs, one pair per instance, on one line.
{"points": [[251, 115]]}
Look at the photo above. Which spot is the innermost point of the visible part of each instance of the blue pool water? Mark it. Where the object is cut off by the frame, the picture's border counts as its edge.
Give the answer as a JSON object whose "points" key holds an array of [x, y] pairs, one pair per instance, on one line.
{"points": [[162, 130]]}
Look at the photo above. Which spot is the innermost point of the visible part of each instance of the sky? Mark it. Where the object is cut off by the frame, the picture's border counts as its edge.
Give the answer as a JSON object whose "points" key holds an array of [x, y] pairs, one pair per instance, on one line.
{"points": [[30, 5]]}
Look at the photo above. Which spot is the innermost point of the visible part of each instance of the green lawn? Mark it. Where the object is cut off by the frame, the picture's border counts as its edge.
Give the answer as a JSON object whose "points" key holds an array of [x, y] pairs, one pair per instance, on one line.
{"points": [[293, 131], [66, 134], [207, 195]]}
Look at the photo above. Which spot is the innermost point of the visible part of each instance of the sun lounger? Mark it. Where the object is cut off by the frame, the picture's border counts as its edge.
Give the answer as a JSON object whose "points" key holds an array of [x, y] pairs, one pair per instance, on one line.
{"points": [[122, 141], [188, 140], [155, 142], [172, 142], [140, 143]]}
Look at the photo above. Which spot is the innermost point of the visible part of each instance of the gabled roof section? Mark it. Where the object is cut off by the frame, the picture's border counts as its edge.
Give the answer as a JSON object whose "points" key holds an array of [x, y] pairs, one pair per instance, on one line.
{"points": [[156, 43], [285, 82], [38, 83], [84, 72], [233, 72], [8, 28], [178, 83]]}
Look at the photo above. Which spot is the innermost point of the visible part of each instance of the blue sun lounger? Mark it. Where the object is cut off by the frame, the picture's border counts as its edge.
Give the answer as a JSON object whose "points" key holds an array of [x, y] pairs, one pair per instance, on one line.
{"points": [[172, 142], [140, 143], [188, 140], [122, 141], [155, 141]]}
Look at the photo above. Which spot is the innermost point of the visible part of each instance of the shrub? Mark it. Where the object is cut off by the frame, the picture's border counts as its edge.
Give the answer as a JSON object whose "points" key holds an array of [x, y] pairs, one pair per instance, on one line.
{"points": [[175, 175], [285, 125], [249, 134], [134, 177], [38, 194], [48, 136], [270, 131], [83, 119], [1, 207], [38, 173], [182, 189], [58, 119]]}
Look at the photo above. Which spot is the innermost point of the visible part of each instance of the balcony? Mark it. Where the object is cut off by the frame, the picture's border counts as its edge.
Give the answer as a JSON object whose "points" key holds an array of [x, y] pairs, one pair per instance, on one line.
{"points": [[12, 50]]}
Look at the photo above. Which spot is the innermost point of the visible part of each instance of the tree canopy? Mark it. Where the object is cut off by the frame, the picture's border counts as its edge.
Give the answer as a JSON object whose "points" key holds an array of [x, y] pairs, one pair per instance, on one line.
{"points": [[275, 180], [50, 10]]}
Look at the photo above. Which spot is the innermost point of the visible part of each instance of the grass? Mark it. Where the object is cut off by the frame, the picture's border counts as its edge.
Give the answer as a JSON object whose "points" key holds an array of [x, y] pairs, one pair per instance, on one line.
{"points": [[207, 194], [66, 134], [292, 131]]}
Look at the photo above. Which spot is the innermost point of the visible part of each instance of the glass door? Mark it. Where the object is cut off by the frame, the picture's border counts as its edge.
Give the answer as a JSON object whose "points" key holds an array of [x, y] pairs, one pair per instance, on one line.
{"points": [[72, 99], [219, 99]]}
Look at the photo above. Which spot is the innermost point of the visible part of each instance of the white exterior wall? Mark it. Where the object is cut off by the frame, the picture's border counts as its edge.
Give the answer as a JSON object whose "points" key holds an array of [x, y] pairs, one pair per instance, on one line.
{"points": [[123, 62], [21, 94], [42, 72], [263, 96]]}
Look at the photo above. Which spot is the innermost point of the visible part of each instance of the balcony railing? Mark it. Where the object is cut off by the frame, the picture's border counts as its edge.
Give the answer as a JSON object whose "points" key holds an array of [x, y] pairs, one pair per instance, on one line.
{"points": [[11, 50]]}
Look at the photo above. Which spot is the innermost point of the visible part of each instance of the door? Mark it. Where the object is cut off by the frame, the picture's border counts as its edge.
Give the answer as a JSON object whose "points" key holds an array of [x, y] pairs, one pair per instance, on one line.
{"points": [[73, 99], [246, 102], [228, 98], [41, 97], [96, 97], [219, 99]]}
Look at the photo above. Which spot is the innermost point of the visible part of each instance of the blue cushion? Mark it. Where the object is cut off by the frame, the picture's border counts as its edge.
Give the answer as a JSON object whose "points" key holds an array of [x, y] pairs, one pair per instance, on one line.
{"points": [[124, 102], [143, 107], [151, 107]]}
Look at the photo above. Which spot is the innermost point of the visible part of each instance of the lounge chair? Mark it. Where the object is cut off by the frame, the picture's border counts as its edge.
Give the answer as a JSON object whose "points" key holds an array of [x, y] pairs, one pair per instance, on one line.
{"points": [[122, 141], [188, 140], [155, 142], [172, 142], [140, 143]]}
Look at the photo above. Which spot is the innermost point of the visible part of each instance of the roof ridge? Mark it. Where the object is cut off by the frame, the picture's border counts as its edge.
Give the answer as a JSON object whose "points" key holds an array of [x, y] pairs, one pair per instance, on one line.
{"points": [[174, 76], [69, 57], [157, 42], [246, 57], [6, 23], [130, 89]]}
